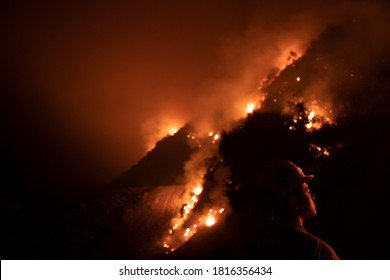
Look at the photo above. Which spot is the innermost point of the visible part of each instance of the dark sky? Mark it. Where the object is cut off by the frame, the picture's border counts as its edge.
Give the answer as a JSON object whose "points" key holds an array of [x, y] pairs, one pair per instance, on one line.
{"points": [[85, 87]]}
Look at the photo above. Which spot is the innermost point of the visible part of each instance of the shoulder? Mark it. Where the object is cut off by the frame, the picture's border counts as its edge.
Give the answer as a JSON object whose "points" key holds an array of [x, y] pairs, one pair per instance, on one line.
{"points": [[323, 250]]}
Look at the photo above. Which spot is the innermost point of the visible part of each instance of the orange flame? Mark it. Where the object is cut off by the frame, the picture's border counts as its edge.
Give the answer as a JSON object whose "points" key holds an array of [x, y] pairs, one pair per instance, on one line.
{"points": [[250, 107], [210, 220], [198, 190], [156, 129], [172, 130]]}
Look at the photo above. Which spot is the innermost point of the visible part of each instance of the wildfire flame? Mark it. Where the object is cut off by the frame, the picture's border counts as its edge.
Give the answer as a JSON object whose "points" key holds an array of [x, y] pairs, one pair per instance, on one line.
{"points": [[210, 220], [215, 136], [172, 130], [310, 118], [250, 107], [311, 115], [177, 234], [198, 190], [155, 130]]}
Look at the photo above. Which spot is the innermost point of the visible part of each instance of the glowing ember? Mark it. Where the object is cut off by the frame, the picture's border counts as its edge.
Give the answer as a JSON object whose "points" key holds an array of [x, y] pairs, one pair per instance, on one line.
{"points": [[318, 151], [172, 131], [250, 107], [311, 115], [198, 190], [210, 221], [317, 119], [159, 127], [216, 137], [298, 79]]}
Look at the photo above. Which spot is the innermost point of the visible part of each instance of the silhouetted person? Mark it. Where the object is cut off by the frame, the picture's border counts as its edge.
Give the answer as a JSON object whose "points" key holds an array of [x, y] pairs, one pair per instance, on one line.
{"points": [[292, 203]]}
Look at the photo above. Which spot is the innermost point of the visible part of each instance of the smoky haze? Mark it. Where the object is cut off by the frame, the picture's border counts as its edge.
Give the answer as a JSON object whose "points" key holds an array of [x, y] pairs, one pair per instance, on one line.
{"points": [[87, 88]]}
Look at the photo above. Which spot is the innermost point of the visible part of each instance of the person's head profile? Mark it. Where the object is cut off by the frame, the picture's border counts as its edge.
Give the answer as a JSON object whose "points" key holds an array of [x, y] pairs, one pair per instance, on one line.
{"points": [[287, 186]]}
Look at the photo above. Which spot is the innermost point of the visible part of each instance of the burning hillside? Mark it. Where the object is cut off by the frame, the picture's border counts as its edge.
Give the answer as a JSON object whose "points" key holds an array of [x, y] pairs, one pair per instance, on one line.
{"points": [[327, 109], [309, 114]]}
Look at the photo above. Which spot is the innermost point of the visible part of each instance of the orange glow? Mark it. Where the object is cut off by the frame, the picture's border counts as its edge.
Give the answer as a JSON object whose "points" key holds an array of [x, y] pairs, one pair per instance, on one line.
{"points": [[250, 107], [310, 118], [156, 129], [187, 232], [172, 130], [210, 221], [311, 115], [198, 190], [318, 151]]}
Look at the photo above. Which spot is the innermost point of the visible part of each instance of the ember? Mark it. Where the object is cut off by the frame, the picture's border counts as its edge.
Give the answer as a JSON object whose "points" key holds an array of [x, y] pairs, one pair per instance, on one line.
{"points": [[198, 190], [250, 107], [210, 221], [172, 130], [318, 151]]}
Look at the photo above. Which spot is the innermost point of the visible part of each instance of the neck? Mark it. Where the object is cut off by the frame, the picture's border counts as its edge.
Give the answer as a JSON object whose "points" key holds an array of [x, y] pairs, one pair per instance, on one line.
{"points": [[299, 220]]}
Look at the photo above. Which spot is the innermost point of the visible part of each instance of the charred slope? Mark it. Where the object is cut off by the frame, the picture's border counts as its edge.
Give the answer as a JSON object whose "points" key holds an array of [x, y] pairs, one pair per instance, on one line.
{"points": [[164, 165]]}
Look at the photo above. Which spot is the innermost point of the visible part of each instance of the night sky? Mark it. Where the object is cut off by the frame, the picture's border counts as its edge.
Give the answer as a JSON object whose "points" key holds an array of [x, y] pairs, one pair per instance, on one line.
{"points": [[86, 87]]}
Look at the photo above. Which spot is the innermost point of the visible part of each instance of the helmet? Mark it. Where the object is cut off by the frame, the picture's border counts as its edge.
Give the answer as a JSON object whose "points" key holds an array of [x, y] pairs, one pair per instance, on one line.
{"points": [[280, 177]]}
